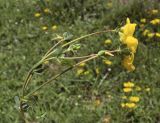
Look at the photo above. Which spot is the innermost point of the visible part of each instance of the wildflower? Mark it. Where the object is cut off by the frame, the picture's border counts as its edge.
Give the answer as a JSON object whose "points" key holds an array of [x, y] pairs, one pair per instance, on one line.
{"points": [[97, 102], [126, 90], [46, 10], [44, 28], [86, 72], [154, 11], [82, 64], [54, 27], [146, 31], [107, 62], [130, 105], [150, 35], [128, 62], [147, 89], [124, 97], [157, 34], [155, 21], [108, 41], [109, 5], [127, 30], [128, 84], [138, 88], [37, 14], [134, 99], [122, 105], [132, 43], [143, 20], [97, 71], [80, 71]]}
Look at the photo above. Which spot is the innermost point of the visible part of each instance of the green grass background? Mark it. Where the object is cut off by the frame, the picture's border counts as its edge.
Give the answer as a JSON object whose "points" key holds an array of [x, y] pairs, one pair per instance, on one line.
{"points": [[71, 99]]}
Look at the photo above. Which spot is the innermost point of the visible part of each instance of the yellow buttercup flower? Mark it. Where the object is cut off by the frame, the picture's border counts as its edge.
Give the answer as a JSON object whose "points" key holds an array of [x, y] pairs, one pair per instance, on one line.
{"points": [[127, 30], [126, 90], [130, 105], [134, 99], [37, 14], [128, 84]]}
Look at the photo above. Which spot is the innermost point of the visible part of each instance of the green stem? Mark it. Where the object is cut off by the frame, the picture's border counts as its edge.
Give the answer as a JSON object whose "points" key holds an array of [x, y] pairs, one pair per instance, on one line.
{"points": [[95, 33]]}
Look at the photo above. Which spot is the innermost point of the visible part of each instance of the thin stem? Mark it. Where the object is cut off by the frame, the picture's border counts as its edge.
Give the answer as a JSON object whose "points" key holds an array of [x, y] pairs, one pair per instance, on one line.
{"points": [[53, 47], [95, 33], [66, 70]]}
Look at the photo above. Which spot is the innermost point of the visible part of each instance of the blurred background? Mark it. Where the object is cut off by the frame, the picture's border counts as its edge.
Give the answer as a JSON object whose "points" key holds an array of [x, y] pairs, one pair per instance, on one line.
{"points": [[93, 92]]}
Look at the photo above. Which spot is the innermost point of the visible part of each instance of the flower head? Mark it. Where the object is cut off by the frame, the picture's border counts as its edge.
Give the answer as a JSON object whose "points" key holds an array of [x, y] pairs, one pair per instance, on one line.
{"points": [[134, 99], [37, 14], [127, 30], [128, 84]]}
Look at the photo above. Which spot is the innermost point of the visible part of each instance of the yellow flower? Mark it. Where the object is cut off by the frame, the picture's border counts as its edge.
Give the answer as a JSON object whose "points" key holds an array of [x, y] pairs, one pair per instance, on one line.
{"points": [[86, 72], [44, 28], [126, 90], [109, 5], [54, 27], [128, 62], [143, 20], [154, 11], [155, 21], [127, 30], [108, 41], [157, 34], [150, 35], [97, 71], [37, 14], [82, 64], [80, 71], [132, 43], [122, 105], [128, 84], [146, 31], [134, 99], [124, 97], [107, 62], [138, 88], [130, 105], [46, 10], [147, 89], [97, 102]]}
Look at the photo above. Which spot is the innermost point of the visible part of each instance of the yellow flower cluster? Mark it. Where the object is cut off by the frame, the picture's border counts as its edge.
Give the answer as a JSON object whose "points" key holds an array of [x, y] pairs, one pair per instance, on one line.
{"points": [[154, 11], [128, 86], [132, 100], [155, 21], [126, 37]]}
